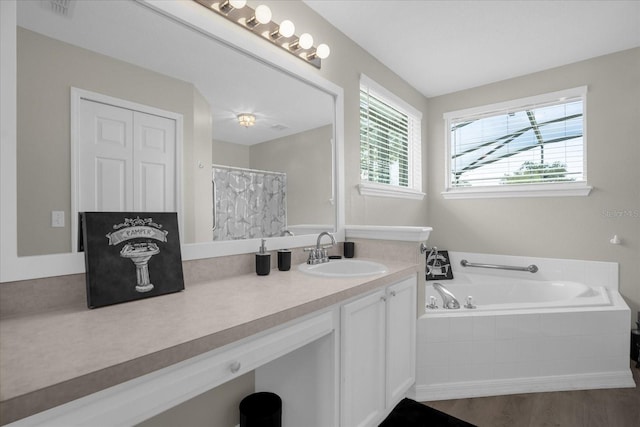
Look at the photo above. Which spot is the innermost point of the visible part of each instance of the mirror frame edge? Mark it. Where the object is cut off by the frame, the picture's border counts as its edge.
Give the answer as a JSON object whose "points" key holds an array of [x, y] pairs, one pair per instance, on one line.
{"points": [[15, 268]]}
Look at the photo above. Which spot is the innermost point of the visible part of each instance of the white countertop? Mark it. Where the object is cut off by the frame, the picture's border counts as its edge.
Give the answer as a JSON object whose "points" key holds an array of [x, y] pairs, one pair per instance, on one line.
{"points": [[55, 357]]}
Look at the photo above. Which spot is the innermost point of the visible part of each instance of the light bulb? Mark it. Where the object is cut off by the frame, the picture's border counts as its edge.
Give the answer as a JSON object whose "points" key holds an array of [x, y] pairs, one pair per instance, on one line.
{"points": [[306, 41], [227, 6], [238, 4], [246, 119], [287, 28], [323, 51], [263, 14]]}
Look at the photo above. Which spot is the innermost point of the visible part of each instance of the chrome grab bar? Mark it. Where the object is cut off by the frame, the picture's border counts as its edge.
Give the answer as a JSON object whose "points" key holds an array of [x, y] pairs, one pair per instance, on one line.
{"points": [[531, 268]]}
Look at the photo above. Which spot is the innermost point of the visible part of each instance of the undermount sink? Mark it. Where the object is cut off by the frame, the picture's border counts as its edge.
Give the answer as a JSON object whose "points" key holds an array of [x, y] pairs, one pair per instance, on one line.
{"points": [[344, 268]]}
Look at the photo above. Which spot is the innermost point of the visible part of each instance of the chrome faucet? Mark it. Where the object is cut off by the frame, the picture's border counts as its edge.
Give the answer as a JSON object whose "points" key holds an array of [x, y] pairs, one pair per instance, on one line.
{"points": [[319, 254], [286, 232], [448, 300]]}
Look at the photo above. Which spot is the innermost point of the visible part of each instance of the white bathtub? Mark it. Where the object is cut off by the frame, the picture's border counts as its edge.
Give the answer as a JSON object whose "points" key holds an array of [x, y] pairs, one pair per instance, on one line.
{"points": [[506, 293], [564, 328]]}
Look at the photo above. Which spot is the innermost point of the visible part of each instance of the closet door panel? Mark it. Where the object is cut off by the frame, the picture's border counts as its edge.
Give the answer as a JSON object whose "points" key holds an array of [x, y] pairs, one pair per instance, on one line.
{"points": [[105, 157], [154, 163]]}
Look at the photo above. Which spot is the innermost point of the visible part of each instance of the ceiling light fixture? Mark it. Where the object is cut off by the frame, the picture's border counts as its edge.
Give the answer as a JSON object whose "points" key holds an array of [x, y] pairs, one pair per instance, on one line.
{"points": [[259, 22], [246, 119]]}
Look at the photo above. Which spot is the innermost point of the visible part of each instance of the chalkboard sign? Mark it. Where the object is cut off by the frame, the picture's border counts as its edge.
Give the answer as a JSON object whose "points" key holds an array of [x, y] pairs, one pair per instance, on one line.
{"points": [[438, 266], [130, 256]]}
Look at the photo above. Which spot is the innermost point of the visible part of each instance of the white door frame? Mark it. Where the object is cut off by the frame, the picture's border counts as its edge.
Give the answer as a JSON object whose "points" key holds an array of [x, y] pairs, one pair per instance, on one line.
{"points": [[77, 95]]}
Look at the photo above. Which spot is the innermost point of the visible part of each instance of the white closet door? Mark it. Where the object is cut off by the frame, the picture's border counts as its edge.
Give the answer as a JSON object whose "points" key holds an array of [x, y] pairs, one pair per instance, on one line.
{"points": [[127, 160], [105, 158], [154, 163]]}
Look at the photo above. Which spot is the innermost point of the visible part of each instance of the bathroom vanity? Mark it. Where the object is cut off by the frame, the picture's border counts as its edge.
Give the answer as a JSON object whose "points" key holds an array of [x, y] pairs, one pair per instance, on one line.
{"points": [[306, 337]]}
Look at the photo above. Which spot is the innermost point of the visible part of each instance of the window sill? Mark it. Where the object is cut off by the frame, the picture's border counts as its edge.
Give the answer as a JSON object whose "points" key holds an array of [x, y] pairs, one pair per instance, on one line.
{"points": [[382, 190], [531, 190]]}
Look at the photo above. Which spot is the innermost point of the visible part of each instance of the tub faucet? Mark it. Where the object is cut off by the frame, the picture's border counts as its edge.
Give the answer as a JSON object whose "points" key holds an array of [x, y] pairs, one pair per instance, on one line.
{"points": [[448, 300], [319, 254]]}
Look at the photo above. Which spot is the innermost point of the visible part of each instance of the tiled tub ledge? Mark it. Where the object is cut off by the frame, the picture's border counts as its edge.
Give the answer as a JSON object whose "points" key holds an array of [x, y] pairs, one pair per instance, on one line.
{"points": [[54, 357]]}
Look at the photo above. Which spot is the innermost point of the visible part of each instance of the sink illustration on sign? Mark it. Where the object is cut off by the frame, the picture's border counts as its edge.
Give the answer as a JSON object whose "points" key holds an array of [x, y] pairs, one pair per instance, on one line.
{"points": [[140, 254]]}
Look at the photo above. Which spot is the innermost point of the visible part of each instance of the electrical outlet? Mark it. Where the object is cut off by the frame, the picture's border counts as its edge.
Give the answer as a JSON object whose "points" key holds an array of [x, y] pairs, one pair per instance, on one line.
{"points": [[57, 218]]}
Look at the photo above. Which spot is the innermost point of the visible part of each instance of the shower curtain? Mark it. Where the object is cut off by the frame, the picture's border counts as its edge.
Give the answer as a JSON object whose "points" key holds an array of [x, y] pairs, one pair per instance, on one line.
{"points": [[248, 203]]}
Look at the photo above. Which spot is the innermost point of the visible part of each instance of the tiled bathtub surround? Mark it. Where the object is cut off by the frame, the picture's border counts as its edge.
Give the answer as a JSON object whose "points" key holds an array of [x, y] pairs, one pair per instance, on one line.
{"points": [[465, 354]]}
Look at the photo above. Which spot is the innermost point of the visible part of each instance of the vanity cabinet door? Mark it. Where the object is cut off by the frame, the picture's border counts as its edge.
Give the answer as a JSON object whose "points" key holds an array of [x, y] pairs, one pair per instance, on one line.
{"points": [[401, 339], [378, 353], [363, 360]]}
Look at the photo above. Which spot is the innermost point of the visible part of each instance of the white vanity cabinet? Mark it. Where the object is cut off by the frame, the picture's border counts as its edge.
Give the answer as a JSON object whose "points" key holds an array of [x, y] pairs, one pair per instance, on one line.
{"points": [[377, 353], [346, 364]]}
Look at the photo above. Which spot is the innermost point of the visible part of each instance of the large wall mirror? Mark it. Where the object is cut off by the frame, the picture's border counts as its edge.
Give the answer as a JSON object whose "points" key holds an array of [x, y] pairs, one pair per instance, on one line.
{"points": [[100, 72]]}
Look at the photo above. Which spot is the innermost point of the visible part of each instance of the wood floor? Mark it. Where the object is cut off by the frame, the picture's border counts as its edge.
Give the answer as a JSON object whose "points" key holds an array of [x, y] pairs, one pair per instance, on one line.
{"points": [[583, 408]]}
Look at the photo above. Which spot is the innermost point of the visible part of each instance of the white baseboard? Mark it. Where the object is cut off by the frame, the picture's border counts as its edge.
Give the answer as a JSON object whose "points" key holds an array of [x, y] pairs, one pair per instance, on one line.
{"points": [[462, 390]]}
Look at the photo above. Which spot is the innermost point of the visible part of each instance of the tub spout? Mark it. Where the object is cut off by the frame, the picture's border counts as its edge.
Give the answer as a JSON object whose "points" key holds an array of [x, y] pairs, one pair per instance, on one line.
{"points": [[448, 299]]}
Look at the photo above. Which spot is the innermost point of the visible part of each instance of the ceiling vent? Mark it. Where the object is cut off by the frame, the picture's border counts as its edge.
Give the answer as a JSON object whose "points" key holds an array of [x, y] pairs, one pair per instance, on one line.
{"points": [[59, 7]]}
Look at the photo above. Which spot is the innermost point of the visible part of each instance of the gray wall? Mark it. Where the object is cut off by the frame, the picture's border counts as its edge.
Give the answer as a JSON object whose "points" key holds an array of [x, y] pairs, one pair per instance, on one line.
{"points": [[230, 154], [306, 159], [556, 227], [198, 197], [47, 69]]}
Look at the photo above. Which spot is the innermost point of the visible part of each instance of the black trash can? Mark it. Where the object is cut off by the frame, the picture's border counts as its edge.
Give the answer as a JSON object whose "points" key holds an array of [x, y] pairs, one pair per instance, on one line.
{"points": [[262, 409]]}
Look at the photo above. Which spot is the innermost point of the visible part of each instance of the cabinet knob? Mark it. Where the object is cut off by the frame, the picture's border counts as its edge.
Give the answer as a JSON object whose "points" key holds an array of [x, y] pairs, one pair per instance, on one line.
{"points": [[393, 293], [235, 367], [383, 298]]}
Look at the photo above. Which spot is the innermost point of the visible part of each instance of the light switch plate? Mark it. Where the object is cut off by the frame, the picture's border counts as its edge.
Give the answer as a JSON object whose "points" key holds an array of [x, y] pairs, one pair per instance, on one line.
{"points": [[57, 218]]}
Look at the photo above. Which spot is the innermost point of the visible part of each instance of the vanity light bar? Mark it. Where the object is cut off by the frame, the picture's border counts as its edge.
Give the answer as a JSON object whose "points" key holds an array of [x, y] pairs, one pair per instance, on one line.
{"points": [[259, 22]]}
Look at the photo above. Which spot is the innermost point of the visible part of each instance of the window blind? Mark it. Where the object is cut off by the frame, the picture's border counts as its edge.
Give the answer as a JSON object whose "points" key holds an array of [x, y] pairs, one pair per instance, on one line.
{"points": [[527, 144], [389, 141]]}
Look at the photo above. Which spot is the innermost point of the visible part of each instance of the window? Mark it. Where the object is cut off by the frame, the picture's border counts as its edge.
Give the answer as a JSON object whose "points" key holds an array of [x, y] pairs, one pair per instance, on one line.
{"points": [[390, 144], [528, 147]]}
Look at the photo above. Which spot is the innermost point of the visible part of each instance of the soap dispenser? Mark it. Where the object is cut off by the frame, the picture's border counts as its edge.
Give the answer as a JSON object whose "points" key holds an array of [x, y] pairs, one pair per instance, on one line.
{"points": [[284, 259], [263, 260]]}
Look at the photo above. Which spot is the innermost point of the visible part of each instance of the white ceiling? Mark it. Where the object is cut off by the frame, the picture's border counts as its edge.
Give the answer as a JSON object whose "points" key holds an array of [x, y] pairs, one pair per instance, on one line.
{"points": [[440, 47], [231, 82]]}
